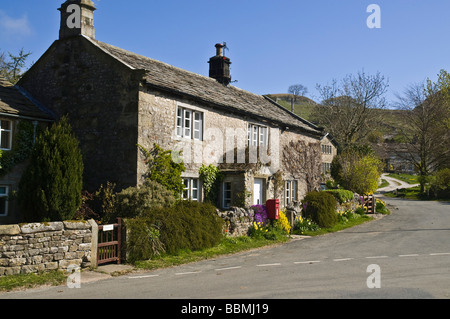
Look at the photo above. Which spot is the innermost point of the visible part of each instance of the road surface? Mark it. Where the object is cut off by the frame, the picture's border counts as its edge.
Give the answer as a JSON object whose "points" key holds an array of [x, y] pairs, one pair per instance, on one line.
{"points": [[402, 255], [393, 184]]}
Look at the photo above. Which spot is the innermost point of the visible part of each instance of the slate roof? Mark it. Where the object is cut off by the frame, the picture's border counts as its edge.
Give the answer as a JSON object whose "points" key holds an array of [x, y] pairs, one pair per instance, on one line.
{"points": [[13, 101], [208, 90]]}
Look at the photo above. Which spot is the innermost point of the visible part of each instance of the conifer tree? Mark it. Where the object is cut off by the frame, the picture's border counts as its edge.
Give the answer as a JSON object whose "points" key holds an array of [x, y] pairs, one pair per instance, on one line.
{"points": [[50, 188]]}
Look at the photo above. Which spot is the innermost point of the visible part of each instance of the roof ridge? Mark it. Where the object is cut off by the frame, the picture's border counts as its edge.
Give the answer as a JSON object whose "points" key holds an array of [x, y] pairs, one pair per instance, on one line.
{"points": [[204, 88]]}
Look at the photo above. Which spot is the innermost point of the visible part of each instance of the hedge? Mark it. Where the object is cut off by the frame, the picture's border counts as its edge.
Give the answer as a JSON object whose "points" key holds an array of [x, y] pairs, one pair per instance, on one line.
{"points": [[320, 207]]}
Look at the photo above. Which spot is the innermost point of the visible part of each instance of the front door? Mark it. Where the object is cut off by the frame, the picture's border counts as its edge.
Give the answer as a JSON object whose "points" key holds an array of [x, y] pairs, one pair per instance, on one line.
{"points": [[258, 191]]}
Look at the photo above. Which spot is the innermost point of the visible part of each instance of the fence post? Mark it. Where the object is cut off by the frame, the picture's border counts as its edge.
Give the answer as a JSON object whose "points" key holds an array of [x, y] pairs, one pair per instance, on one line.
{"points": [[94, 243]]}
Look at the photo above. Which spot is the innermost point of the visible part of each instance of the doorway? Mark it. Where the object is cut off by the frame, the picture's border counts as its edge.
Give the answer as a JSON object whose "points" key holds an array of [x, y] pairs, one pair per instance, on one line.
{"points": [[258, 186]]}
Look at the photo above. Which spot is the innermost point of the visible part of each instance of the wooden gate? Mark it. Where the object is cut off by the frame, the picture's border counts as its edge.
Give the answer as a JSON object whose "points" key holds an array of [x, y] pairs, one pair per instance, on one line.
{"points": [[369, 202], [109, 243]]}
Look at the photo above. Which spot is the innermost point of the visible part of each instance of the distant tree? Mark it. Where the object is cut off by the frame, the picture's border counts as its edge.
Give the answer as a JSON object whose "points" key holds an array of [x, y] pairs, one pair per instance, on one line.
{"points": [[50, 188], [297, 90], [12, 69], [349, 109]]}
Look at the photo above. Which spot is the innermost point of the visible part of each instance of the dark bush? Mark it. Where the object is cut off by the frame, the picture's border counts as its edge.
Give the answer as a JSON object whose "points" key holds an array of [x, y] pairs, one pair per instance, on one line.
{"points": [[184, 225], [320, 207], [440, 184], [50, 188]]}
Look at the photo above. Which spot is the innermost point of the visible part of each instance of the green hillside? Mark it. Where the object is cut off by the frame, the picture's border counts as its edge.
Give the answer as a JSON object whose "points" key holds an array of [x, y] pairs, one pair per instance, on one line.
{"points": [[386, 131]]}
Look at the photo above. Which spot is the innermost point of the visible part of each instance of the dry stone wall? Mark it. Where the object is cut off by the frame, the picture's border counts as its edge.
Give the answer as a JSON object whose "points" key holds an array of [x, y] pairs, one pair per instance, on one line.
{"points": [[36, 247]]}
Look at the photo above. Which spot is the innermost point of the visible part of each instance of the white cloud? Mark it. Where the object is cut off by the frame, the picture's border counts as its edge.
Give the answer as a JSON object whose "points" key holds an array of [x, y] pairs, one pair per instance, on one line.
{"points": [[14, 27]]}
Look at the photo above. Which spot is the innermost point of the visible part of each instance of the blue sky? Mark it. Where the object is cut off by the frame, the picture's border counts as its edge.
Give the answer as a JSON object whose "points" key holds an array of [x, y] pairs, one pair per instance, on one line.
{"points": [[272, 44]]}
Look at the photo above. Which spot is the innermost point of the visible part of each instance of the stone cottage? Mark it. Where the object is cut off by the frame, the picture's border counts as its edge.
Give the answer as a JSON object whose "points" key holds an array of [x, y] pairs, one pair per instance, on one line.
{"points": [[20, 117], [117, 100]]}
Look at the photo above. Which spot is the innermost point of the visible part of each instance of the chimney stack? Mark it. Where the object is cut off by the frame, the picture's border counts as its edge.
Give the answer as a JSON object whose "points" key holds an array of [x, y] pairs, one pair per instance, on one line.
{"points": [[77, 18], [219, 66]]}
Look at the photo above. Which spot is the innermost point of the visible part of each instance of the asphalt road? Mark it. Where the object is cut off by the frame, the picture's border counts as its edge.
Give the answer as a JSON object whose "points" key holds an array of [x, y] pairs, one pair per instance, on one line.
{"points": [[402, 255]]}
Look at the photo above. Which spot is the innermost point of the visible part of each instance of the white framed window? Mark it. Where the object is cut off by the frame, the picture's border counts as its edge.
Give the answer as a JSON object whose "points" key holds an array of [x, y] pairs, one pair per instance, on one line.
{"points": [[290, 192], [189, 123], [5, 135], [4, 193], [326, 149], [226, 202], [191, 189], [257, 135]]}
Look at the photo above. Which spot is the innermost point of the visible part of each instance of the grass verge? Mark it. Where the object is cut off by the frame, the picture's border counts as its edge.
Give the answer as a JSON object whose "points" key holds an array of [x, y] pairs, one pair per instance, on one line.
{"points": [[54, 278], [339, 226], [410, 179], [228, 245]]}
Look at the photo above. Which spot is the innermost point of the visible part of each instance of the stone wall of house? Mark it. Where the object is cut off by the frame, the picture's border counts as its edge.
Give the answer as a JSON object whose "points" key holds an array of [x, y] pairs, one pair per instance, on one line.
{"points": [[35, 247], [100, 96], [157, 123]]}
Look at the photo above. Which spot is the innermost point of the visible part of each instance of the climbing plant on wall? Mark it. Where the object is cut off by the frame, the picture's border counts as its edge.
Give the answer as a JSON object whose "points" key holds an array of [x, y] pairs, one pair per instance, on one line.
{"points": [[211, 178]]}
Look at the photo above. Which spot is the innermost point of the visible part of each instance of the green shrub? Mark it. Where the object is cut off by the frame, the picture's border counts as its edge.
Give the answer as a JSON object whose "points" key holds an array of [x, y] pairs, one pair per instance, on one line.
{"points": [[360, 210], [163, 169], [341, 195], [186, 225], [303, 225], [320, 207], [50, 188], [143, 241], [440, 184], [134, 201]]}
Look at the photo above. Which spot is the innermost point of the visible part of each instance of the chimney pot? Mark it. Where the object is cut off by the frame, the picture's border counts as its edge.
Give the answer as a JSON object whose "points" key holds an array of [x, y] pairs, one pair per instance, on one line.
{"points": [[219, 49], [219, 66]]}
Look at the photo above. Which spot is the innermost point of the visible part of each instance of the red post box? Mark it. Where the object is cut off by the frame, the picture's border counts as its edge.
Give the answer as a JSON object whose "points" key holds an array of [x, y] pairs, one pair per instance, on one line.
{"points": [[272, 207]]}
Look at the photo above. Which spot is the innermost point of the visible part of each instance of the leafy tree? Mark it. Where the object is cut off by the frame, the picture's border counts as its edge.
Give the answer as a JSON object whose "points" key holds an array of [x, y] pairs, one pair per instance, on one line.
{"points": [[50, 188], [357, 169], [163, 169]]}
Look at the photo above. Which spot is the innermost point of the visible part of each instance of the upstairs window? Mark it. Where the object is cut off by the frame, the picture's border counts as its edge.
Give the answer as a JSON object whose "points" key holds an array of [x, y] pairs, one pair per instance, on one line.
{"points": [[5, 135], [189, 124], [257, 135], [326, 149]]}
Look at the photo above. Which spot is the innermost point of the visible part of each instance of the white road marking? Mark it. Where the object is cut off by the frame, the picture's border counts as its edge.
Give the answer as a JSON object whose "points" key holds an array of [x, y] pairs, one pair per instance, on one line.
{"points": [[373, 257], [141, 277], [268, 265], [342, 259], [187, 273], [439, 254], [228, 268], [307, 262], [410, 255]]}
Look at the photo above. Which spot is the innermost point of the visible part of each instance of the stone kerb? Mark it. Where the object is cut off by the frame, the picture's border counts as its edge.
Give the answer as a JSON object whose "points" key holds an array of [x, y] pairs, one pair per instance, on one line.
{"points": [[36, 247]]}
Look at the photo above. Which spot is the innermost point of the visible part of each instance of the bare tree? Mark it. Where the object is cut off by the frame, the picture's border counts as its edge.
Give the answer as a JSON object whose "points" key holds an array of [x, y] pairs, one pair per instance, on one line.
{"points": [[427, 125], [349, 108], [297, 90]]}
